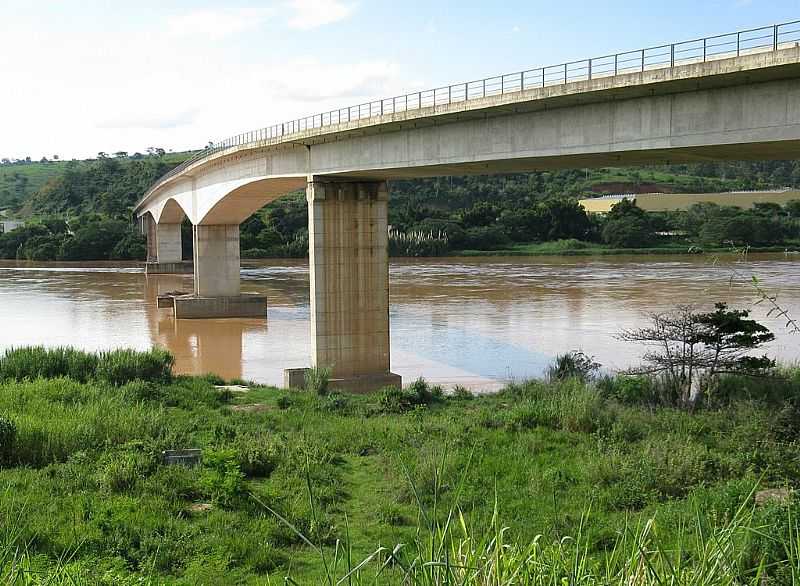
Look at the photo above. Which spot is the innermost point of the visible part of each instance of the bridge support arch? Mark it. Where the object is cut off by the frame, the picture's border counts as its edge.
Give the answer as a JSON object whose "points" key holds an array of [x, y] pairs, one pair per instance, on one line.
{"points": [[349, 279]]}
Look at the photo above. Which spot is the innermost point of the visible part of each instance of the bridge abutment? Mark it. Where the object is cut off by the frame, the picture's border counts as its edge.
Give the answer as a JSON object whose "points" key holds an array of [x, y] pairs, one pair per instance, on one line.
{"points": [[349, 276]]}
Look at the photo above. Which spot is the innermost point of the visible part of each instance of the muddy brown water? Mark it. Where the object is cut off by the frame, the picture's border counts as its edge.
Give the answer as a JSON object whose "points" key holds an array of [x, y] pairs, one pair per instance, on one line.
{"points": [[473, 321]]}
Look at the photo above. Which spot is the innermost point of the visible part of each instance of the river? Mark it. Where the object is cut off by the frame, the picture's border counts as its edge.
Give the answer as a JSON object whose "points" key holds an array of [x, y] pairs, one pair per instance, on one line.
{"points": [[473, 321]]}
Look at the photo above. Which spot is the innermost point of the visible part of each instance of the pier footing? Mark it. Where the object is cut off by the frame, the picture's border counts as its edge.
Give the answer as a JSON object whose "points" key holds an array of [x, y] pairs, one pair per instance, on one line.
{"points": [[191, 307], [185, 267], [294, 378]]}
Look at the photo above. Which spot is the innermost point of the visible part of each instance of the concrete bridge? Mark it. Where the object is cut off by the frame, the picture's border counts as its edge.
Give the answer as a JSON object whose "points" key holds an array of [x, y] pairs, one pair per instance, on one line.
{"points": [[727, 97]]}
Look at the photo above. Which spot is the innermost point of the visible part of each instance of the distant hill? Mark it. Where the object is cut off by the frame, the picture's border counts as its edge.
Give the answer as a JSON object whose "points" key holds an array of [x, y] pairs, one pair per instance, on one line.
{"points": [[21, 181]]}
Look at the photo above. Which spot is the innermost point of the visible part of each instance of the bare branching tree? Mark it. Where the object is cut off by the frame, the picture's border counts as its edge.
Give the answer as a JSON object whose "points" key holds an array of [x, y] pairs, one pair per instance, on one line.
{"points": [[690, 349]]}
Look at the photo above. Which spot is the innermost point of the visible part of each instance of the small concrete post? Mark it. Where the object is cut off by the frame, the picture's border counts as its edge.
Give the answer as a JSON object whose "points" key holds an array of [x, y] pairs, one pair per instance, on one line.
{"points": [[349, 274]]}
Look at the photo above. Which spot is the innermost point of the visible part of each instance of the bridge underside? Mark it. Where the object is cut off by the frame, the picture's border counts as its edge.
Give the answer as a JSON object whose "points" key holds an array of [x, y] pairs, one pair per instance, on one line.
{"points": [[745, 108]]}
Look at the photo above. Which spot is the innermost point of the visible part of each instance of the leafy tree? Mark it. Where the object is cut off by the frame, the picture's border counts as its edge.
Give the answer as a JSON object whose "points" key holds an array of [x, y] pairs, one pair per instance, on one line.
{"points": [[692, 349], [563, 218], [793, 208], [479, 215], [627, 226]]}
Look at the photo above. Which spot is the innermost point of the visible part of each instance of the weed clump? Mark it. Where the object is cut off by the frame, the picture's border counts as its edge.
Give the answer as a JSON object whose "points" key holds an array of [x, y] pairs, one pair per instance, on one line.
{"points": [[121, 366], [317, 379], [221, 478], [8, 434], [418, 394]]}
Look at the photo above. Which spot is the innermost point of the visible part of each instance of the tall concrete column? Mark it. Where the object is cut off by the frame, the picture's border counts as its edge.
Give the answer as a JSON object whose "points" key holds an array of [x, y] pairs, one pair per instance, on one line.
{"points": [[216, 261], [349, 274], [168, 243], [164, 249], [149, 231]]}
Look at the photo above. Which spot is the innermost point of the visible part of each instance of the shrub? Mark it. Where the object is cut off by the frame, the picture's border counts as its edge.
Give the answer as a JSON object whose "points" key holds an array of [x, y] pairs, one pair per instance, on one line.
{"points": [[256, 454], [630, 390], [574, 364], [213, 379], [335, 403], [120, 471], [317, 379], [417, 394], [8, 434], [121, 366], [423, 393], [570, 406], [462, 393], [417, 243], [394, 400], [221, 478]]}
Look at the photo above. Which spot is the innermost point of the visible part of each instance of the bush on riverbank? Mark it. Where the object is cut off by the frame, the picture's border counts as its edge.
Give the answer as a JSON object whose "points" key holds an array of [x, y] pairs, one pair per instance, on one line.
{"points": [[84, 482], [116, 367]]}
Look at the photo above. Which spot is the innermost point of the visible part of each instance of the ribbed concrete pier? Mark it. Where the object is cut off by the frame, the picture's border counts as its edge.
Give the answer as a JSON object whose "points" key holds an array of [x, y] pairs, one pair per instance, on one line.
{"points": [[349, 274]]}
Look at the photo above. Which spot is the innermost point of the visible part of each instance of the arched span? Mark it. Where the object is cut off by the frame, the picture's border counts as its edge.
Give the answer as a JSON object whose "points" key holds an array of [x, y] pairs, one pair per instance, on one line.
{"points": [[240, 203], [169, 212]]}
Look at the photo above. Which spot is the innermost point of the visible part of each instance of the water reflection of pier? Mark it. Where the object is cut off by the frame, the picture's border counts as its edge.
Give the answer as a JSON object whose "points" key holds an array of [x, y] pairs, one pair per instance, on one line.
{"points": [[200, 346]]}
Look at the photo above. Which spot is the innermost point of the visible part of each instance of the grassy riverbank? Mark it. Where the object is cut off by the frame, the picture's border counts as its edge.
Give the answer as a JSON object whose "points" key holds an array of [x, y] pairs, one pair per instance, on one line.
{"points": [[85, 496]]}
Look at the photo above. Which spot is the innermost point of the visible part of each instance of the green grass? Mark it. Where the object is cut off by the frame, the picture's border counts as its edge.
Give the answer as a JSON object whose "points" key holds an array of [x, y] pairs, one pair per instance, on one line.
{"points": [[559, 482], [116, 367]]}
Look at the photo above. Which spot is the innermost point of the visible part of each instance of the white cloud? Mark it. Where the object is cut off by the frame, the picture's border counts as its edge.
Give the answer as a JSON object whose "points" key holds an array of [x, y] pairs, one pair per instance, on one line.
{"points": [[311, 80], [217, 24], [169, 86], [309, 14]]}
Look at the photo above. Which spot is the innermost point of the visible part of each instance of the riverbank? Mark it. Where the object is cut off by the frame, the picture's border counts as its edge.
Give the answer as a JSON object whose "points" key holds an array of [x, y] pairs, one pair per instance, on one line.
{"points": [[580, 248], [292, 483]]}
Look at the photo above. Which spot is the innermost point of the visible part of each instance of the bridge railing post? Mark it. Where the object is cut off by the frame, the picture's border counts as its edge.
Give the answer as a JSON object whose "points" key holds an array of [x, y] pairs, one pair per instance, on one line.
{"points": [[775, 39]]}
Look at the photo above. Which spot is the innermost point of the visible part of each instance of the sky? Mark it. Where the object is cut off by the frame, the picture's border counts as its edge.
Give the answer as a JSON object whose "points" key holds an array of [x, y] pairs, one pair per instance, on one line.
{"points": [[82, 76]]}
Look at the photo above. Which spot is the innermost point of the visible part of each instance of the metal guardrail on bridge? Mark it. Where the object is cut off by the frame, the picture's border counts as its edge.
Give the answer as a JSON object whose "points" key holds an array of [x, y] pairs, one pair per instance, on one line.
{"points": [[763, 39]]}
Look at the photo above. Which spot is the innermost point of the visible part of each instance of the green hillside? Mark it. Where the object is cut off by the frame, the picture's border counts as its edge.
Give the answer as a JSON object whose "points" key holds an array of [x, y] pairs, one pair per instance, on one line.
{"points": [[21, 180]]}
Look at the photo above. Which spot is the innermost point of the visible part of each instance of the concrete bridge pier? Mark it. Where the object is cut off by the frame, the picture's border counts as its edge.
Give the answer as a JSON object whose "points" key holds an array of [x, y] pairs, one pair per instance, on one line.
{"points": [[217, 291], [349, 274], [164, 249]]}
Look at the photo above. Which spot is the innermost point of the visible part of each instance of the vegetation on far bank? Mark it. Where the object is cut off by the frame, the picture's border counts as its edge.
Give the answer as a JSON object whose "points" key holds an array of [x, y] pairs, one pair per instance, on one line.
{"points": [[533, 213]]}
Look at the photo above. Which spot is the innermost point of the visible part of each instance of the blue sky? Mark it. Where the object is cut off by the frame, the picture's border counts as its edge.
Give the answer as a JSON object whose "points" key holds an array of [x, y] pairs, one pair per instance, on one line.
{"points": [[86, 76]]}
